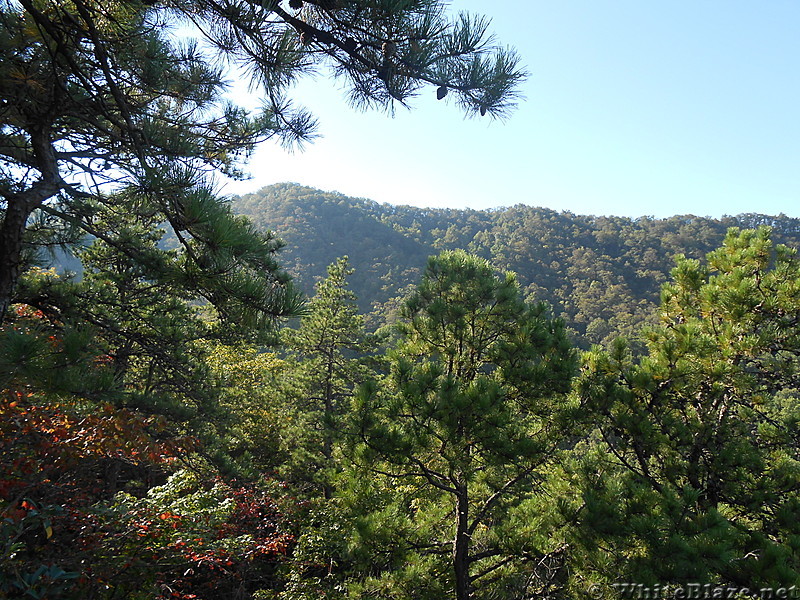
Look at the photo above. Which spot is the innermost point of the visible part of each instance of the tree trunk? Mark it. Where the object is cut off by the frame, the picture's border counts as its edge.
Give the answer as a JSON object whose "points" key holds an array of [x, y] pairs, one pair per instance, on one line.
{"points": [[461, 545], [19, 207], [327, 433], [11, 233]]}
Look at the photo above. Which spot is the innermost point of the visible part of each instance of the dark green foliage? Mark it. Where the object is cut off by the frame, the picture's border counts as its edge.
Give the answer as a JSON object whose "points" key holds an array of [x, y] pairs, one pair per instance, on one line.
{"points": [[129, 314], [470, 416], [102, 97], [695, 463], [103, 113], [113, 126], [465, 469], [327, 362]]}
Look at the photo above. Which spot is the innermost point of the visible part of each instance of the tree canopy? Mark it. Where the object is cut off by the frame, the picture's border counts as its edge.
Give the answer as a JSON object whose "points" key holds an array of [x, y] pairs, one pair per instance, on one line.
{"points": [[105, 107], [473, 411], [123, 422], [601, 275], [695, 470], [160, 439]]}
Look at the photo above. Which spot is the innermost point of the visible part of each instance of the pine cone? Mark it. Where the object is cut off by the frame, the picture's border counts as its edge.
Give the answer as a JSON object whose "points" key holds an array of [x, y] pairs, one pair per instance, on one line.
{"points": [[389, 49]]}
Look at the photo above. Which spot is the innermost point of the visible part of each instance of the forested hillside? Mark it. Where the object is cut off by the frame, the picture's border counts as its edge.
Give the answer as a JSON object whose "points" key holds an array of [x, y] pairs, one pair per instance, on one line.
{"points": [[601, 274], [179, 422]]}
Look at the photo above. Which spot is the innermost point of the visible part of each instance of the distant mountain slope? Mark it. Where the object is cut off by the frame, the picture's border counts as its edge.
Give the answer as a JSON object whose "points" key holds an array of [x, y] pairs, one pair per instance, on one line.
{"points": [[601, 274], [319, 227]]}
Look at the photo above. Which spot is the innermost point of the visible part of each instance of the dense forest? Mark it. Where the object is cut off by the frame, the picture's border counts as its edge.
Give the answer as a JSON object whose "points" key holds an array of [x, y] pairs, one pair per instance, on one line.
{"points": [[602, 275], [424, 419], [473, 453]]}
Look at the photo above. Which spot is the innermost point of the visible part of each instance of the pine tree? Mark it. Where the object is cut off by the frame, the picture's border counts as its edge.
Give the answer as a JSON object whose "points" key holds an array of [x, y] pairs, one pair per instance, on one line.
{"points": [[328, 351], [695, 471], [472, 415], [101, 103]]}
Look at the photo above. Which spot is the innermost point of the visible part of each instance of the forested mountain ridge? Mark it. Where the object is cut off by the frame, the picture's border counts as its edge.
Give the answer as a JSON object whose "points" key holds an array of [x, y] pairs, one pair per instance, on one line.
{"points": [[601, 274], [180, 422]]}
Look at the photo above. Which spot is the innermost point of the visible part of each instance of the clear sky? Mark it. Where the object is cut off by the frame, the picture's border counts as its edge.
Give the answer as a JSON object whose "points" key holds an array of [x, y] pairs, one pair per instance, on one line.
{"points": [[632, 108]]}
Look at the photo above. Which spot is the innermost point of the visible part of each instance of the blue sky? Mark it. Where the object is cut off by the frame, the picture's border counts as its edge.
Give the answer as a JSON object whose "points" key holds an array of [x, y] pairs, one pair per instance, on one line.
{"points": [[632, 108]]}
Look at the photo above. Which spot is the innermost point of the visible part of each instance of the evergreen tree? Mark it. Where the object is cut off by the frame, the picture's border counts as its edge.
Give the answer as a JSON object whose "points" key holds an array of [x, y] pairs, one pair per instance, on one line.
{"points": [[101, 106], [695, 473], [146, 331], [328, 350], [111, 129], [474, 414]]}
